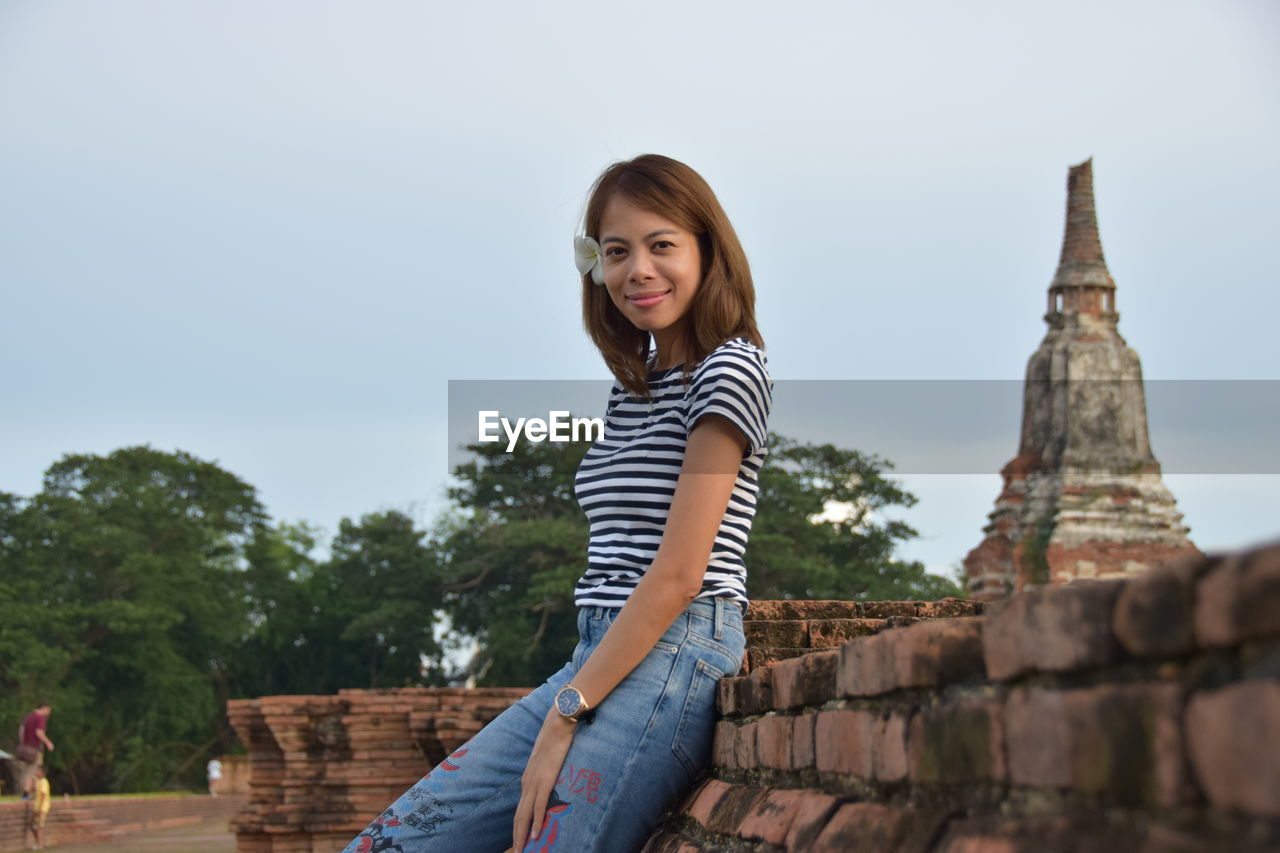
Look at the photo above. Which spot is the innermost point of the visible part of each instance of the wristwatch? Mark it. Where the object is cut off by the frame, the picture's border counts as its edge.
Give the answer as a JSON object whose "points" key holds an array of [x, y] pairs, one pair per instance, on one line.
{"points": [[571, 704]]}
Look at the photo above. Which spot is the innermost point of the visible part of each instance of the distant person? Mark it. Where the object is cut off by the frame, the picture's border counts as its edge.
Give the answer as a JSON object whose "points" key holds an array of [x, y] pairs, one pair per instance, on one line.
{"points": [[214, 771], [590, 760], [32, 742], [37, 806]]}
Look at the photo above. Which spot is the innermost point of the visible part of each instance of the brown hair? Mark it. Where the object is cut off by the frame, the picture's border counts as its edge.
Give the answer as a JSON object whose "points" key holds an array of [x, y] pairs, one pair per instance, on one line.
{"points": [[723, 306]]}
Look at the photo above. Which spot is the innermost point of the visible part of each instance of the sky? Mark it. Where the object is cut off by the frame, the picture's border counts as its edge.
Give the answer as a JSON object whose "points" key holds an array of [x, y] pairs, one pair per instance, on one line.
{"points": [[271, 234]]}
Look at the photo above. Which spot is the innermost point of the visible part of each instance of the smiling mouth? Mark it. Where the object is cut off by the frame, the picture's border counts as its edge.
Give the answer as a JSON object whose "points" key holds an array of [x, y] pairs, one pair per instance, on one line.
{"points": [[647, 300]]}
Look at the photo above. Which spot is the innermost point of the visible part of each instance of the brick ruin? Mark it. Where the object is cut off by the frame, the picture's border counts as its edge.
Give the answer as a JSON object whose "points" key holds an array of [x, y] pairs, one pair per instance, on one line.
{"points": [[322, 767], [1133, 715], [1083, 498]]}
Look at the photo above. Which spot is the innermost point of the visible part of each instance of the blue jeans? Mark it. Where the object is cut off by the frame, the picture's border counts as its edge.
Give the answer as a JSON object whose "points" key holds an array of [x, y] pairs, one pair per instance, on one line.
{"points": [[649, 740]]}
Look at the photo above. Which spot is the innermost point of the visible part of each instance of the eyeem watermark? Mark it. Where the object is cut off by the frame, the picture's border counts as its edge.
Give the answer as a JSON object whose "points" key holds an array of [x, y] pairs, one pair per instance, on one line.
{"points": [[558, 427], [924, 426]]}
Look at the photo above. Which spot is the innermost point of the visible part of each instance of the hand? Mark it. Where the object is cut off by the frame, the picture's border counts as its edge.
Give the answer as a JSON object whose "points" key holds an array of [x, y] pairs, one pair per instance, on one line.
{"points": [[540, 775]]}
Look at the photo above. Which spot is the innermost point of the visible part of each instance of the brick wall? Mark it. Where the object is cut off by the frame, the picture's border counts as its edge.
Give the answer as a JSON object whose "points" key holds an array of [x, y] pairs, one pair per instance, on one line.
{"points": [[322, 767], [235, 775], [1126, 715], [89, 819]]}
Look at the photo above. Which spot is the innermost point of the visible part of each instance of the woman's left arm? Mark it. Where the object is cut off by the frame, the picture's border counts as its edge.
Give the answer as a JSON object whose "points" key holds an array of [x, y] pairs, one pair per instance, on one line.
{"points": [[674, 579]]}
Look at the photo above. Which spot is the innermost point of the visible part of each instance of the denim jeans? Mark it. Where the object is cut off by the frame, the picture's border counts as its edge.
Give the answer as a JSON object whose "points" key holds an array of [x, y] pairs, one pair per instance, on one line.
{"points": [[648, 741]]}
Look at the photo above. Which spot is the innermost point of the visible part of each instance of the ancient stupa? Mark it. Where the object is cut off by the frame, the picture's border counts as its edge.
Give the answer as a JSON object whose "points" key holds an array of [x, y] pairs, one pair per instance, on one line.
{"points": [[1084, 496]]}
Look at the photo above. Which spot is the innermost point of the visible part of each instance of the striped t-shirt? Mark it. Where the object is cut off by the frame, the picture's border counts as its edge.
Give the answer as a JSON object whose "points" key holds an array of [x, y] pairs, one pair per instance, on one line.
{"points": [[627, 479]]}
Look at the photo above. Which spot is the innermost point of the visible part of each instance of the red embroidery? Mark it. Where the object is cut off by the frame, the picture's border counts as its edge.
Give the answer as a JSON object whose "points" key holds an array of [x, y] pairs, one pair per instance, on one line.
{"points": [[449, 765], [582, 780]]}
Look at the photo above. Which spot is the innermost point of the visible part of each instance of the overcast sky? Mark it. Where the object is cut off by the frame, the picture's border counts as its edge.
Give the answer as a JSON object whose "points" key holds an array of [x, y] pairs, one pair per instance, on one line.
{"points": [[270, 233]]}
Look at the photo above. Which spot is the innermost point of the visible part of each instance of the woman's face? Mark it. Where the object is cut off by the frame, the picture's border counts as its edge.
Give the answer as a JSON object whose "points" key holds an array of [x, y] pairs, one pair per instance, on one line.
{"points": [[652, 267]]}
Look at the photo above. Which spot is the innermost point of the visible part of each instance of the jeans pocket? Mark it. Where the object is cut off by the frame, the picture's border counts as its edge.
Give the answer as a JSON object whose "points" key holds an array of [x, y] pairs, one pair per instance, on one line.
{"points": [[692, 742]]}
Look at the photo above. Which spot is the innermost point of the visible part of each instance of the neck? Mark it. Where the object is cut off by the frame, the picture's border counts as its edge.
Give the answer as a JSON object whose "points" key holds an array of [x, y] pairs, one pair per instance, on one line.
{"points": [[670, 346]]}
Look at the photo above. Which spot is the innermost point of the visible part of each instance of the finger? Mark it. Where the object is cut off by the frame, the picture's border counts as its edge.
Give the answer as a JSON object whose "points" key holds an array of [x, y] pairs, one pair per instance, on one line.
{"points": [[539, 814], [520, 828]]}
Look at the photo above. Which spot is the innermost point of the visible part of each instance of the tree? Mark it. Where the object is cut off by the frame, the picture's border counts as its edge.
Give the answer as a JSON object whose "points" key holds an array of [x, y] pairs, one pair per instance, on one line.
{"points": [[122, 603], [363, 617], [820, 530], [277, 653], [511, 554]]}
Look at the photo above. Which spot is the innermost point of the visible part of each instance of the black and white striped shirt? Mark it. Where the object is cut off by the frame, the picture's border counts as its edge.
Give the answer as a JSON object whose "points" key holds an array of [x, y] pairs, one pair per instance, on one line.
{"points": [[627, 479]]}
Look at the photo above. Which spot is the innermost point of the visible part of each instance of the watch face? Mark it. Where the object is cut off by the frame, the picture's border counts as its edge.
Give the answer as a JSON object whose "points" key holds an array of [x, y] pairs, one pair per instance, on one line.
{"points": [[568, 701]]}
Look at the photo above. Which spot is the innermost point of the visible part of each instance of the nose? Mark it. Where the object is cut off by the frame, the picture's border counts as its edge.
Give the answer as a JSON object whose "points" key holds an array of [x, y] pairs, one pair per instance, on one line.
{"points": [[641, 267]]}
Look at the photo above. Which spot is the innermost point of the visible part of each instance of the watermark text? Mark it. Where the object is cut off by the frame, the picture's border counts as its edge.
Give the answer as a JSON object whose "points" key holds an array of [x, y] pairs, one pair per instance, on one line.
{"points": [[558, 427]]}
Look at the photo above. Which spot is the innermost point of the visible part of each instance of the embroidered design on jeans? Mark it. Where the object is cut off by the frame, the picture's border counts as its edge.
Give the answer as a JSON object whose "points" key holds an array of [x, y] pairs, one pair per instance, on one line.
{"points": [[380, 836], [557, 810], [582, 781], [430, 811]]}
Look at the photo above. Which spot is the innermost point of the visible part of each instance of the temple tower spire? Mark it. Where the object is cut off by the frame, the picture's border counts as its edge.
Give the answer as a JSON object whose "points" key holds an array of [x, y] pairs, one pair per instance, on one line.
{"points": [[1084, 496], [1082, 285]]}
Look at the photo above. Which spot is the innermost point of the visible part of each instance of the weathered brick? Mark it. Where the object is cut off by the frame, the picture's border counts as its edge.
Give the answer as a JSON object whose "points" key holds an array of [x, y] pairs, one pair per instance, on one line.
{"points": [[1233, 736], [874, 828], [949, 608], [763, 611], [724, 747], [754, 693], [830, 633], [732, 807], [889, 761], [1039, 738], [802, 609], [744, 746], [704, 800], [1120, 740], [808, 680], [1051, 629], [802, 741], [771, 819], [1239, 599], [842, 742], [958, 742], [773, 742], [776, 634], [862, 669], [809, 819], [927, 654], [885, 609], [727, 696], [1153, 613], [760, 658]]}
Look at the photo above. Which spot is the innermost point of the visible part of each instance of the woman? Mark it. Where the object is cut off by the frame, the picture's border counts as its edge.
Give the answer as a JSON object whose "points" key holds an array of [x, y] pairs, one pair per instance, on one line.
{"points": [[592, 758]]}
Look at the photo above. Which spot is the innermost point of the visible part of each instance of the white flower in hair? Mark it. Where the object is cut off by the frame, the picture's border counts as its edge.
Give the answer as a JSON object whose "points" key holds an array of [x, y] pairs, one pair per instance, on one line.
{"points": [[587, 258]]}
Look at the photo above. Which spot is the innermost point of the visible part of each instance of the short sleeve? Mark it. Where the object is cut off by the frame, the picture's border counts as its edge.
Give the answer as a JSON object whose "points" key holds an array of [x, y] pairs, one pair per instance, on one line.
{"points": [[733, 382]]}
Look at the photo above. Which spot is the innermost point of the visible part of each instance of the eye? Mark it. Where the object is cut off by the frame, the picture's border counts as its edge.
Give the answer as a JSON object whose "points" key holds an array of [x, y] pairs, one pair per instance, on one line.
{"points": [[614, 251], [664, 244]]}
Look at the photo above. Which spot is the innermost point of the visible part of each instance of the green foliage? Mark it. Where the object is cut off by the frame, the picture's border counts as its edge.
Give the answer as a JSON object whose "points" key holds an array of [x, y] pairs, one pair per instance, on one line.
{"points": [[122, 602], [364, 617], [511, 555], [794, 553]]}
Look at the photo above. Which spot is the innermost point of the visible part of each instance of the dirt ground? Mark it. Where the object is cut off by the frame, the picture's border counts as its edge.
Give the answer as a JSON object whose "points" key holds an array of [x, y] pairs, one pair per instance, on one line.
{"points": [[210, 837]]}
